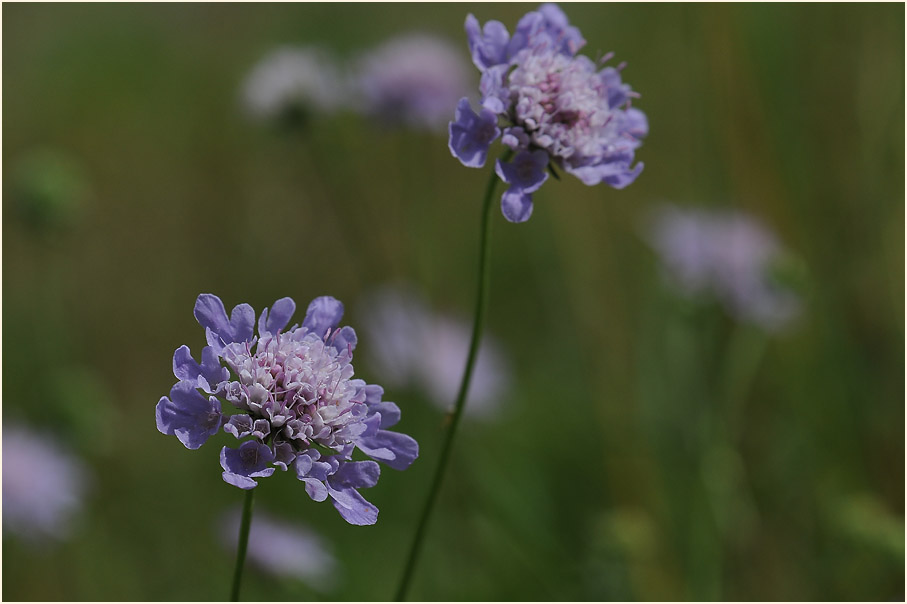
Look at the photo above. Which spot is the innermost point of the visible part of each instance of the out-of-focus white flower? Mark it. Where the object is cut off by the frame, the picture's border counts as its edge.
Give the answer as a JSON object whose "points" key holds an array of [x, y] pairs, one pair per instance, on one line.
{"points": [[291, 79], [417, 347], [282, 549]]}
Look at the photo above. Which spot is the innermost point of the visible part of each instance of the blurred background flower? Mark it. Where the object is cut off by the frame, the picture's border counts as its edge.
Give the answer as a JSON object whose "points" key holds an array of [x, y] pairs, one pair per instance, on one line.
{"points": [[44, 486], [413, 80], [412, 345], [291, 83], [281, 549], [727, 254]]}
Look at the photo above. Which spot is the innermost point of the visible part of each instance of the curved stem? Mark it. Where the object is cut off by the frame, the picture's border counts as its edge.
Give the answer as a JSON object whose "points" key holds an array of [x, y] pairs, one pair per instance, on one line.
{"points": [[241, 546], [481, 303]]}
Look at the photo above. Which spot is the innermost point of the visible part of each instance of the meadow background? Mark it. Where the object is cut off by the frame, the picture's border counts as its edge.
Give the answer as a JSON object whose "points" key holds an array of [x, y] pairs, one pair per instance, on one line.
{"points": [[630, 460]]}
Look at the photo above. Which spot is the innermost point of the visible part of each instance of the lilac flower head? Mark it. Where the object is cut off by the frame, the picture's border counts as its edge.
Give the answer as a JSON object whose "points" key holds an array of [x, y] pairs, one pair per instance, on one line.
{"points": [[43, 486], [726, 254], [295, 399], [562, 109], [292, 80], [282, 549], [412, 80], [414, 346]]}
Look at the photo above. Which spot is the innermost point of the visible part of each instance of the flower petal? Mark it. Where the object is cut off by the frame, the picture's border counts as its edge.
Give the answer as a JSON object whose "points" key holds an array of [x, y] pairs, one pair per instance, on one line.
{"points": [[393, 448], [560, 30], [344, 340], [635, 123], [239, 426], [210, 313], [488, 46], [624, 178], [188, 415], [315, 489], [527, 171], [186, 368], [356, 474], [390, 413], [373, 393], [472, 134], [249, 461], [323, 313], [275, 319], [284, 455], [612, 168], [516, 205], [353, 507], [495, 94], [243, 482], [525, 33], [308, 465], [617, 90]]}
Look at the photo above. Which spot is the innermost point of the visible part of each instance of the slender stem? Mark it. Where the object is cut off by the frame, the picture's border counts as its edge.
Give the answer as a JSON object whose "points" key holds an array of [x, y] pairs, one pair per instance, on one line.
{"points": [[481, 303], [241, 546], [745, 353]]}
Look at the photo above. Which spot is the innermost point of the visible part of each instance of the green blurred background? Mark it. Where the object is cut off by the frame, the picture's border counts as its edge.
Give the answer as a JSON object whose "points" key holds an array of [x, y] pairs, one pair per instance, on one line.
{"points": [[633, 459]]}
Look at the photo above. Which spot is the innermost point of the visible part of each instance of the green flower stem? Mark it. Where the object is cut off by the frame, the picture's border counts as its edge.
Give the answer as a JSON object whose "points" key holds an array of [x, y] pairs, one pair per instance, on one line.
{"points": [[241, 546], [745, 353], [728, 493], [481, 303]]}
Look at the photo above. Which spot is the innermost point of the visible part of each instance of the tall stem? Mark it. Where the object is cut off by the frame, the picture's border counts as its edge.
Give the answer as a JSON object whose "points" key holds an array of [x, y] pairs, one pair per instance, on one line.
{"points": [[481, 303], [241, 545]]}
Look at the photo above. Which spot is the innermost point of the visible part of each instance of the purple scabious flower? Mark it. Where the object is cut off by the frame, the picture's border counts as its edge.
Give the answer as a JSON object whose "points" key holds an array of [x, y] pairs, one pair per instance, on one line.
{"points": [[291, 80], [44, 486], [295, 398], [281, 549], [415, 346], [726, 254], [412, 80], [552, 107]]}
